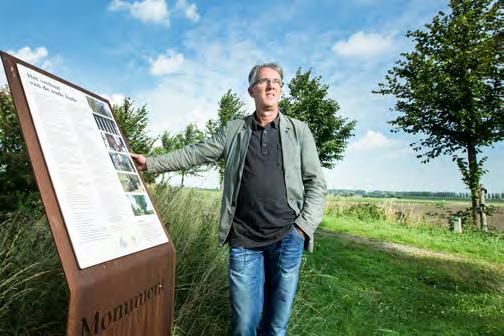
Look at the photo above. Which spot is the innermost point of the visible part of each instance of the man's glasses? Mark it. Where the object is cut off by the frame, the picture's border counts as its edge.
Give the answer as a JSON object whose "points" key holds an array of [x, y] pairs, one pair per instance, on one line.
{"points": [[266, 81]]}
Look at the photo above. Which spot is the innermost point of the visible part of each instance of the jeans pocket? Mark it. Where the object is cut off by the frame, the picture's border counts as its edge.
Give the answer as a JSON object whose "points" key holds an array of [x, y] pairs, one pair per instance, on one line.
{"points": [[237, 259], [292, 250], [296, 232]]}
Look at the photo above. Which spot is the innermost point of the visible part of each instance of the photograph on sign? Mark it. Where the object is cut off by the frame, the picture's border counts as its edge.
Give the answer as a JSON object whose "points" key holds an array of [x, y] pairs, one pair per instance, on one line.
{"points": [[98, 107], [131, 183], [107, 211], [113, 142]]}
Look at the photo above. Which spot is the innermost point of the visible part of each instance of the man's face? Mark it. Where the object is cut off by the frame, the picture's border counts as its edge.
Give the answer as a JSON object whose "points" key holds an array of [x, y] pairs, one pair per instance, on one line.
{"points": [[267, 90]]}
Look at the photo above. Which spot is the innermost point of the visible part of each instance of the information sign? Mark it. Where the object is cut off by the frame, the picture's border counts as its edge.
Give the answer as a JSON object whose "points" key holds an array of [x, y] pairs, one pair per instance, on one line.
{"points": [[107, 212], [118, 260]]}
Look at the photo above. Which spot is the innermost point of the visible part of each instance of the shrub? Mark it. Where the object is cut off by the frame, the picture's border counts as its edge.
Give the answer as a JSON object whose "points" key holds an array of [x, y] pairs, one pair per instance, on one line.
{"points": [[364, 211]]}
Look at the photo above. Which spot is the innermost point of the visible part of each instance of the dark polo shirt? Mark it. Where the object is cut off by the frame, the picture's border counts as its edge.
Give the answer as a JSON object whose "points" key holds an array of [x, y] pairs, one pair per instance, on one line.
{"points": [[262, 215]]}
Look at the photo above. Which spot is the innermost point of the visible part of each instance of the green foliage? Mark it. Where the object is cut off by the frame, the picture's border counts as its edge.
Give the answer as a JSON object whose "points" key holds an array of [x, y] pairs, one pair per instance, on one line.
{"points": [[449, 89], [133, 122], [189, 136], [308, 102], [365, 211], [17, 185], [230, 107]]}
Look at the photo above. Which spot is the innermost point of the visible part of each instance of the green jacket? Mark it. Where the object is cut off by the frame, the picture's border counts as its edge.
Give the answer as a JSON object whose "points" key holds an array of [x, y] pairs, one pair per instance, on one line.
{"points": [[304, 181]]}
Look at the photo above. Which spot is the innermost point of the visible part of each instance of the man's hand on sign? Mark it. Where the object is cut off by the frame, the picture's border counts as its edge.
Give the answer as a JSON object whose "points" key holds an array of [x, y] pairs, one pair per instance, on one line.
{"points": [[140, 161]]}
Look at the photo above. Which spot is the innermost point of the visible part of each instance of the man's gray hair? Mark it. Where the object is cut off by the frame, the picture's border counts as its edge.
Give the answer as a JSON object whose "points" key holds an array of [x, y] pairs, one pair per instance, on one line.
{"points": [[253, 73]]}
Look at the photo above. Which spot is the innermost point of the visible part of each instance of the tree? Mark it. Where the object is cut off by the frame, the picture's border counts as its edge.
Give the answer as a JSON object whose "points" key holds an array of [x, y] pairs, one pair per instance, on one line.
{"points": [[449, 89], [308, 102], [189, 136], [133, 123], [17, 184], [230, 107]]}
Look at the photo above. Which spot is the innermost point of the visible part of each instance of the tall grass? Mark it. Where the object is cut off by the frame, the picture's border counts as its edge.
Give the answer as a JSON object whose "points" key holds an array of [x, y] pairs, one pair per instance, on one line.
{"points": [[201, 291], [34, 295], [391, 210], [333, 298], [33, 292]]}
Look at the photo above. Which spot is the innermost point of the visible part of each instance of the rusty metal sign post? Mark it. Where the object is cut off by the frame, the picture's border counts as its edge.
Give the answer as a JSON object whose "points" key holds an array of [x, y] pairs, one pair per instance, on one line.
{"points": [[118, 259]]}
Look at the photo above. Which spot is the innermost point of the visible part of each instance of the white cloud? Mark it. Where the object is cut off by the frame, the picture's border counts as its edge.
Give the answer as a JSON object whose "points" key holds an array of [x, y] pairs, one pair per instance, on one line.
{"points": [[192, 94], [114, 98], [37, 56], [31, 56], [155, 11], [371, 140], [167, 63], [362, 45], [191, 13], [190, 10]]}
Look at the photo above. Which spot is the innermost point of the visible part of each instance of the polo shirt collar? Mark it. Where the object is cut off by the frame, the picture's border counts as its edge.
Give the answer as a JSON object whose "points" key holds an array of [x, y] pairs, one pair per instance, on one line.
{"points": [[256, 126]]}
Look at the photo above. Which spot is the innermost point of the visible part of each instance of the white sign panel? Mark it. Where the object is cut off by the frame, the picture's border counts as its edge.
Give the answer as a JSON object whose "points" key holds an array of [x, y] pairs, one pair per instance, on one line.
{"points": [[106, 209]]}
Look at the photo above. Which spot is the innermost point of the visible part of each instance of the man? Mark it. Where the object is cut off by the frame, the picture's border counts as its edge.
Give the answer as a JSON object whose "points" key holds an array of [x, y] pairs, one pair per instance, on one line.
{"points": [[271, 204]]}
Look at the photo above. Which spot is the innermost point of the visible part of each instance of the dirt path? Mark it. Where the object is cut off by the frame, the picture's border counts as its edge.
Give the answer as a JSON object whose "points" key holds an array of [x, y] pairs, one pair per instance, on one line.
{"points": [[394, 247]]}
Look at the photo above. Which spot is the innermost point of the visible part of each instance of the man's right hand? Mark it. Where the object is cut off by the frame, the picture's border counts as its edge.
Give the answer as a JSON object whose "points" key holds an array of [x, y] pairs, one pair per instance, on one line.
{"points": [[140, 161]]}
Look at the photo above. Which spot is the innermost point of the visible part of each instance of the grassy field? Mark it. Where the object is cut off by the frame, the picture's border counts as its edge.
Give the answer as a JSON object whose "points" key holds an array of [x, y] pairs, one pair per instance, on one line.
{"points": [[349, 289], [345, 288], [471, 244]]}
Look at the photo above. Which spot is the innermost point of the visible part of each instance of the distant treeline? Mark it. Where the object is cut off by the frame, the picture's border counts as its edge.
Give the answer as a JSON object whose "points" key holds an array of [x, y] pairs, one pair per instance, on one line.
{"points": [[412, 194]]}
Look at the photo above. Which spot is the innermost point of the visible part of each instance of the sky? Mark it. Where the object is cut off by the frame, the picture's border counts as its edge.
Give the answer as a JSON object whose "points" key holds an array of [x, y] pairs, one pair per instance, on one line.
{"points": [[180, 56]]}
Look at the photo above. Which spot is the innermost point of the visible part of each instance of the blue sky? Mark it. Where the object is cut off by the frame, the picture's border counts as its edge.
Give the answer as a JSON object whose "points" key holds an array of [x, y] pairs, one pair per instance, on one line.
{"points": [[180, 56]]}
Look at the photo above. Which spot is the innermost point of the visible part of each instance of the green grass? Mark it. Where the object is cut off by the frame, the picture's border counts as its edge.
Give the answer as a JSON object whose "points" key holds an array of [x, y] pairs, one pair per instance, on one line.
{"points": [[33, 292], [344, 289], [34, 296], [470, 244], [201, 292], [349, 289]]}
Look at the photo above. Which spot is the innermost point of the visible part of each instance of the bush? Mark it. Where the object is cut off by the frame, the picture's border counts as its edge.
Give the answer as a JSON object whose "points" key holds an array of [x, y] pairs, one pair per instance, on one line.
{"points": [[365, 211]]}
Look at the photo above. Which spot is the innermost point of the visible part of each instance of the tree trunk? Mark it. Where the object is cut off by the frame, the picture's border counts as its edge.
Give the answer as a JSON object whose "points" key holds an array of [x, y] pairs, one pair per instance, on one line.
{"points": [[473, 182]]}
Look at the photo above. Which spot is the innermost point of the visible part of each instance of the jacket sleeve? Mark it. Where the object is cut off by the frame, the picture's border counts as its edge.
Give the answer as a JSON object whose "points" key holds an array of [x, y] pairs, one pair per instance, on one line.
{"points": [[209, 150], [314, 185]]}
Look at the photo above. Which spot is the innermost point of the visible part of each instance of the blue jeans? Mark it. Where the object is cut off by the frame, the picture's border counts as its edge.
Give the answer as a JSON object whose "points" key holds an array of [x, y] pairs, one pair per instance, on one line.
{"points": [[263, 284]]}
